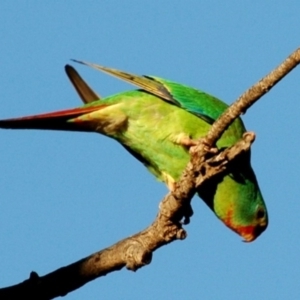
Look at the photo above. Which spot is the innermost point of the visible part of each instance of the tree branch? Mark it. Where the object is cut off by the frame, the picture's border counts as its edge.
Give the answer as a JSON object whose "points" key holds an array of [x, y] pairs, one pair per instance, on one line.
{"points": [[248, 98], [136, 251]]}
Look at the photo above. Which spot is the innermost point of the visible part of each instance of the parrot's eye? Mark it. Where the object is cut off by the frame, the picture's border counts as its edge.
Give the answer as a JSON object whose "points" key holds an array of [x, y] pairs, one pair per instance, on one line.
{"points": [[260, 213]]}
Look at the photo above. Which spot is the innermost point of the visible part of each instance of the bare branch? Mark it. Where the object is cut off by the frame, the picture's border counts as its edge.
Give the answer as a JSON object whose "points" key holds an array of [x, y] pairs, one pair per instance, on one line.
{"points": [[136, 251], [248, 98], [133, 252]]}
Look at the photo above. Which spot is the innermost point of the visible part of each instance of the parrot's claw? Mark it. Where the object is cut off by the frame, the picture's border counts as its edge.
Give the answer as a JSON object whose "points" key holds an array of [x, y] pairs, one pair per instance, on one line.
{"points": [[209, 149]]}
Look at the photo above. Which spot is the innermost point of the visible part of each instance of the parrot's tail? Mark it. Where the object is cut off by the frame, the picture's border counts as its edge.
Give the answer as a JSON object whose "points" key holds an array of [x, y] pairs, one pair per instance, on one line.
{"points": [[59, 120]]}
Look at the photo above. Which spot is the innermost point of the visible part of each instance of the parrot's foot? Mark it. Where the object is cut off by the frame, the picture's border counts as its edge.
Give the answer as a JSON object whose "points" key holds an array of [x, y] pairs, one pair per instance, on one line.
{"points": [[184, 140], [207, 148], [187, 142]]}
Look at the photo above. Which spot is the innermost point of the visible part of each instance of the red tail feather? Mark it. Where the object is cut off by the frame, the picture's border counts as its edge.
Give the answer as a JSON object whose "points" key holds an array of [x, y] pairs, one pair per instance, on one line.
{"points": [[52, 121]]}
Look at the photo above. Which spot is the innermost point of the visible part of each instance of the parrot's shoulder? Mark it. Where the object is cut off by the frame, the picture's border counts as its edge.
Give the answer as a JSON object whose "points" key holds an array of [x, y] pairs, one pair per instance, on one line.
{"points": [[193, 100]]}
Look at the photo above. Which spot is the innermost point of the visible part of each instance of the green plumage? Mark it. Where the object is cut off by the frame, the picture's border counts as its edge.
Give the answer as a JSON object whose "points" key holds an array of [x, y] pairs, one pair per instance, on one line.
{"points": [[156, 124]]}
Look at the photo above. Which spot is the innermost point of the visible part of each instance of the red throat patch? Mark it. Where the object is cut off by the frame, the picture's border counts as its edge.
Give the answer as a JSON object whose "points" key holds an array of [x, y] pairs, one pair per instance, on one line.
{"points": [[247, 232]]}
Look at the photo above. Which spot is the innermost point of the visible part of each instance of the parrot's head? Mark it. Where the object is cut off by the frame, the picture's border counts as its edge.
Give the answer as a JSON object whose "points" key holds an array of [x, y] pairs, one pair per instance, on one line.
{"points": [[237, 201], [249, 224]]}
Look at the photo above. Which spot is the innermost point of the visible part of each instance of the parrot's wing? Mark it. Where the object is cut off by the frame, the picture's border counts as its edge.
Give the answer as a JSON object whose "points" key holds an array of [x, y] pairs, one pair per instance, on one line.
{"points": [[196, 102], [84, 91], [145, 83]]}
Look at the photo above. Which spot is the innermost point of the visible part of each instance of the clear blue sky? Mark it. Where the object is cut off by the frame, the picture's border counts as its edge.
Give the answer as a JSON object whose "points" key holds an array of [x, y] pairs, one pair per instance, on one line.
{"points": [[67, 195]]}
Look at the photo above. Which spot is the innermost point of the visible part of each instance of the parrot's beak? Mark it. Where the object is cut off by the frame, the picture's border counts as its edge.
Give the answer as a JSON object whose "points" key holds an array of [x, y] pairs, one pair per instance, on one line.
{"points": [[251, 235], [248, 238]]}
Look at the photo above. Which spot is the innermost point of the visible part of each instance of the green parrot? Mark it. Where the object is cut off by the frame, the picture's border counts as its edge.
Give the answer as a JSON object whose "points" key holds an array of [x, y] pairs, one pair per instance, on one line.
{"points": [[157, 123]]}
